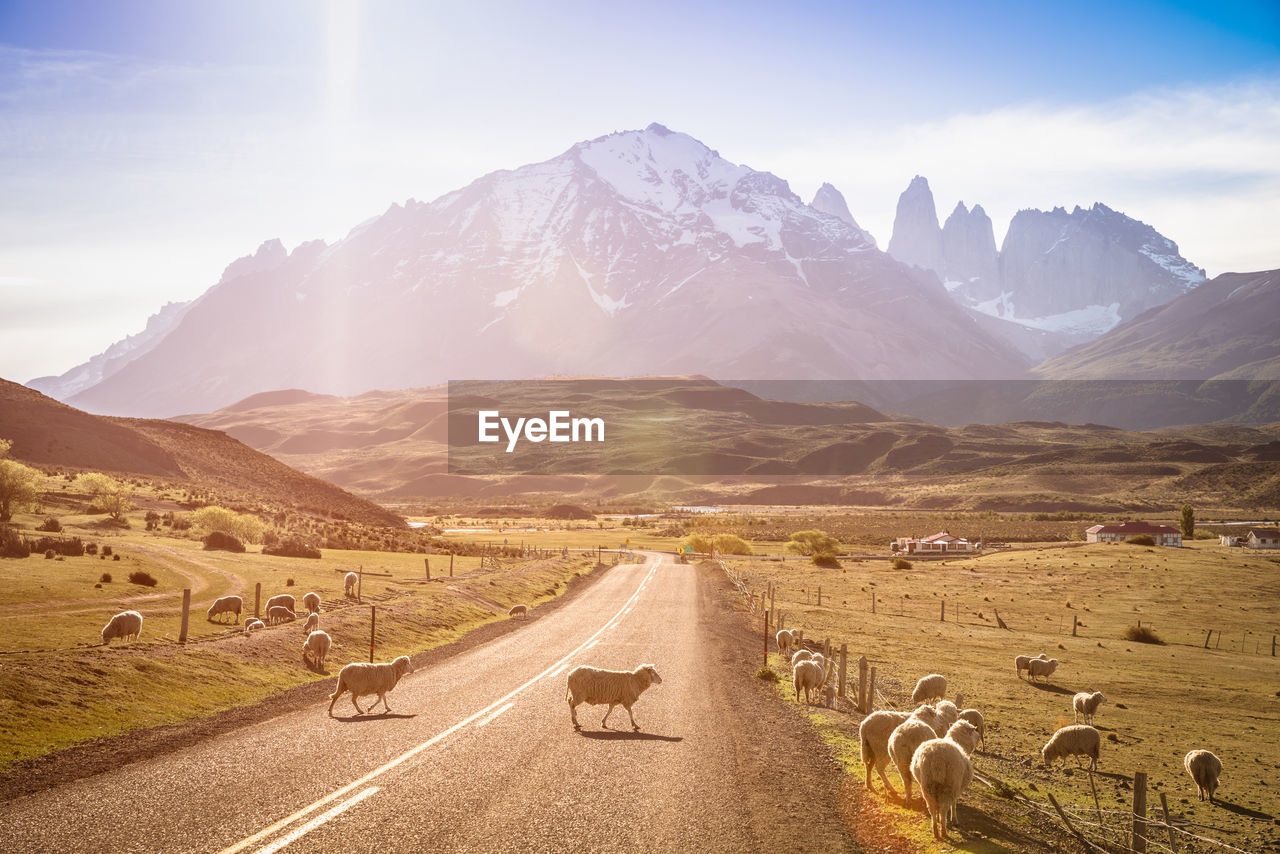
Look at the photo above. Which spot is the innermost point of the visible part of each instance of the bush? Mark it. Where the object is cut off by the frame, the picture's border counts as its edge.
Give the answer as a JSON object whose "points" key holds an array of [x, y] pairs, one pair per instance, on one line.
{"points": [[1142, 634], [288, 582], [50, 524], [181, 523], [115, 557], [242, 526], [292, 547], [12, 545], [219, 541], [105, 578], [826, 559], [50, 554], [767, 674], [91, 548], [812, 543], [71, 547], [146, 579], [106, 551], [1142, 540], [901, 563]]}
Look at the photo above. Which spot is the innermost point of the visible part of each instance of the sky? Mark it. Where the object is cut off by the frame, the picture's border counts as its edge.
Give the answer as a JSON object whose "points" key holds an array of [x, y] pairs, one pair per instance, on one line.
{"points": [[145, 144]]}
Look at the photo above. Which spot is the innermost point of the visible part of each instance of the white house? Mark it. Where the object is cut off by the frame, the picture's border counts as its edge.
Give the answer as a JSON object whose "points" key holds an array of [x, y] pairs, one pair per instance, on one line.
{"points": [[940, 543], [1263, 538], [1119, 532]]}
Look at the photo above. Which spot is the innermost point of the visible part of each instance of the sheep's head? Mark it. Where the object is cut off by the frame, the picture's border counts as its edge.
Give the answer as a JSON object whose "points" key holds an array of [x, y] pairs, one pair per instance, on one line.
{"points": [[401, 666], [964, 734], [654, 678]]}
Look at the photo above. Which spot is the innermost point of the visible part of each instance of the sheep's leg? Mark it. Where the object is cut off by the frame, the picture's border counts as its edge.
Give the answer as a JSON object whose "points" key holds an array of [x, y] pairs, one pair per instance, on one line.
{"points": [[605, 723], [884, 779], [635, 726], [359, 711], [573, 713]]}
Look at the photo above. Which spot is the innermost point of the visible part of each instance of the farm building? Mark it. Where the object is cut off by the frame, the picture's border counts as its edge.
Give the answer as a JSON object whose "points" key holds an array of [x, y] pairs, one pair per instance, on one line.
{"points": [[1228, 540], [1263, 538], [940, 543], [1119, 532]]}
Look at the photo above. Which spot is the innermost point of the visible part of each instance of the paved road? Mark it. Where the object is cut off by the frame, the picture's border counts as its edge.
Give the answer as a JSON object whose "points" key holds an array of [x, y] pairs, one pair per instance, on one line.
{"points": [[480, 755]]}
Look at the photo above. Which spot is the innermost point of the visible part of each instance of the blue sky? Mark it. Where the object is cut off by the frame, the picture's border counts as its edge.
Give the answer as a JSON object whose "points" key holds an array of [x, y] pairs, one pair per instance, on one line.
{"points": [[144, 145]]}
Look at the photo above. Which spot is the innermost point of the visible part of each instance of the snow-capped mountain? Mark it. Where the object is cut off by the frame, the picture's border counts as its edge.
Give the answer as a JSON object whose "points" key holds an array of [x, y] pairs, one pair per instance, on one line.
{"points": [[1072, 275], [641, 252]]}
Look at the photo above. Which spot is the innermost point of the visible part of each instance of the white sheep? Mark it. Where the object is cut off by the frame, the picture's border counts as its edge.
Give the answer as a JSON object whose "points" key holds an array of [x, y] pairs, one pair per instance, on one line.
{"points": [[942, 769], [909, 735], [362, 678], [279, 614], [311, 601], [928, 714], [821, 659], [808, 676], [284, 600], [598, 687], [786, 638], [947, 715], [1020, 662], [1087, 704], [1075, 740], [253, 625], [800, 655], [1041, 667], [316, 648], [931, 687], [349, 584], [874, 734], [1204, 768], [226, 605], [975, 717], [312, 623], [521, 611], [125, 625]]}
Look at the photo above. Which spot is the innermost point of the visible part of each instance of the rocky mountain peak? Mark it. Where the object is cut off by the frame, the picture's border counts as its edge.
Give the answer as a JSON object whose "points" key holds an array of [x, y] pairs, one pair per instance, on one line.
{"points": [[270, 254], [831, 201], [917, 238]]}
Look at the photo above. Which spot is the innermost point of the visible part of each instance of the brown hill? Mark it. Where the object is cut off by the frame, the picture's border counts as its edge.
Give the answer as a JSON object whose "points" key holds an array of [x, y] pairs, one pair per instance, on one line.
{"points": [[51, 434]]}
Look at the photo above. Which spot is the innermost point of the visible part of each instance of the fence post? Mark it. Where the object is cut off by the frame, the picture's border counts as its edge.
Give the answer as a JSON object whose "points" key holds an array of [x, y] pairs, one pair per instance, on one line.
{"points": [[766, 639], [427, 561], [257, 600], [873, 601], [1209, 634], [1164, 807], [1139, 812], [1075, 621], [943, 617], [826, 648], [819, 595], [451, 564], [771, 610], [863, 665], [844, 667], [1273, 646], [186, 613], [871, 691], [373, 625], [360, 587]]}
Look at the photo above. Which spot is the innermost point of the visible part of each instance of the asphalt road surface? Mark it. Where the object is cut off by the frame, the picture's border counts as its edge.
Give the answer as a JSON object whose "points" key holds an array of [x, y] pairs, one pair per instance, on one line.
{"points": [[479, 754]]}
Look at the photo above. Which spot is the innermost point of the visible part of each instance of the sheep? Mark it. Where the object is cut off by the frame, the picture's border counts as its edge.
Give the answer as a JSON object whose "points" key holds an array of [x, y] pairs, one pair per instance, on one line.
{"points": [[284, 600], [931, 687], [598, 687], [125, 625], [874, 734], [316, 647], [312, 623], [1075, 740], [942, 769], [1041, 667], [909, 735], [821, 659], [786, 638], [808, 676], [253, 625], [520, 611], [1087, 704], [311, 601], [226, 605], [1020, 662], [947, 715], [363, 678], [279, 613], [928, 714], [800, 655], [975, 717], [1204, 768], [349, 584]]}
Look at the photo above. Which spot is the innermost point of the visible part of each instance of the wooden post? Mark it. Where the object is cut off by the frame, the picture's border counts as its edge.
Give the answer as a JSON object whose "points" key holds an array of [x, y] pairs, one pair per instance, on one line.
{"points": [[1209, 634], [427, 561], [873, 601], [1139, 845], [373, 625], [844, 667], [257, 600], [863, 666], [1164, 807], [1075, 621], [800, 639], [360, 586], [1273, 646], [766, 639], [826, 647], [871, 691], [943, 617], [451, 564], [771, 592], [819, 595], [186, 613], [1218, 645]]}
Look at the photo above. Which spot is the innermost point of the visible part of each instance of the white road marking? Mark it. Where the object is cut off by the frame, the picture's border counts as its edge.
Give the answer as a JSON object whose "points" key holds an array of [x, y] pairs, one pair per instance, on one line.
{"points": [[558, 670], [414, 751], [297, 833], [494, 715]]}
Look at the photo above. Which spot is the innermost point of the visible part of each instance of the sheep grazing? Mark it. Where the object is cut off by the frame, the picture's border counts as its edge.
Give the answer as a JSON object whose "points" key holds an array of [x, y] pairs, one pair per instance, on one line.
{"points": [[1042, 668], [786, 639], [808, 676], [311, 601], [349, 584], [253, 625], [821, 659], [800, 655], [315, 649], [521, 611], [1076, 740], [280, 614], [126, 625], [874, 734], [363, 679], [1204, 768], [598, 687], [284, 600], [312, 623], [909, 735], [931, 687], [947, 715], [1087, 704], [1021, 662], [226, 605], [929, 715], [975, 717], [942, 769]]}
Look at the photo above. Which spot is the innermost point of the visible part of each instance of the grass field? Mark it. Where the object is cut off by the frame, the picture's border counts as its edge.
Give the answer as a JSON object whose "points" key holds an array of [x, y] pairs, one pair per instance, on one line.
{"points": [[1163, 700]]}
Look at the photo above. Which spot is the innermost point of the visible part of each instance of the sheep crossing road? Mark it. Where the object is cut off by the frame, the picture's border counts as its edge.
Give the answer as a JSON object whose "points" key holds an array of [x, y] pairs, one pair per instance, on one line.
{"points": [[480, 754]]}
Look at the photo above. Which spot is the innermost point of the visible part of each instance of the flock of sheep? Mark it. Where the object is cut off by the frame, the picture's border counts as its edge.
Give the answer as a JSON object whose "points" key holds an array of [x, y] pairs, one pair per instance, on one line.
{"points": [[933, 745]]}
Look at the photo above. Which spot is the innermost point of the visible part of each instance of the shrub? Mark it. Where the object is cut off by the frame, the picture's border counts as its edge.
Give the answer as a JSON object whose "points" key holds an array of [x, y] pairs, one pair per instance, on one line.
{"points": [[220, 541], [768, 674], [146, 579], [242, 526], [288, 582], [181, 523], [826, 559], [50, 554], [91, 548], [71, 547], [105, 578], [51, 525], [901, 563], [812, 543], [106, 551], [11, 544], [1142, 634], [292, 547], [1142, 540], [115, 557]]}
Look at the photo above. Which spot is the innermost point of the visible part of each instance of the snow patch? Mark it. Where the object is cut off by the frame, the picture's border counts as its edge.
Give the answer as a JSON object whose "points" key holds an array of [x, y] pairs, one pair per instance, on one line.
{"points": [[504, 298], [1190, 274]]}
